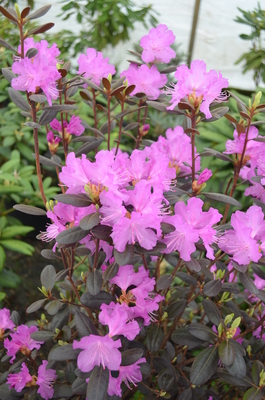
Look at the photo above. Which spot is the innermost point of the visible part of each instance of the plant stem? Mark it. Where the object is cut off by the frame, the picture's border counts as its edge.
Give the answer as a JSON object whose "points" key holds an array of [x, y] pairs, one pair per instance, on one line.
{"points": [[120, 129], [109, 122], [37, 153]]}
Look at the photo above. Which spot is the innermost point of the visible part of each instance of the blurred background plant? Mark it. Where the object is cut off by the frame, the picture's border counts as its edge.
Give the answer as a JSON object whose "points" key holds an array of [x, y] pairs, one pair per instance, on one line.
{"points": [[254, 58]]}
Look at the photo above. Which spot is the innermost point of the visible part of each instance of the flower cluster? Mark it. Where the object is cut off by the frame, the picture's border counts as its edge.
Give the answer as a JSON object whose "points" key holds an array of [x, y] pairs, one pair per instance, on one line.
{"points": [[120, 317], [44, 380], [200, 87], [252, 162], [128, 192], [93, 66], [246, 242], [146, 80], [156, 45], [38, 73], [21, 342]]}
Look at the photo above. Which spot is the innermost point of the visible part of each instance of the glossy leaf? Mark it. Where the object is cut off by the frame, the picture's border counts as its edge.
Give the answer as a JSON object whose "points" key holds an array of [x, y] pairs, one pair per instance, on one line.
{"points": [[202, 332], [130, 356], [71, 235], [18, 99], [47, 277], [76, 200], [125, 257], [84, 325], [94, 302], [89, 221], [204, 366], [226, 352], [212, 288], [63, 353], [211, 311], [94, 282], [98, 384]]}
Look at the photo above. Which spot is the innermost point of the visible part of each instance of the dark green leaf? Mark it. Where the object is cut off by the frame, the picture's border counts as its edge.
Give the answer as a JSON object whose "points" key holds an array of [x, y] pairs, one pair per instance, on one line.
{"points": [[225, 376], [94, 302], [193, 265], [167, 228], [31, 52], [38, 98], [165, 379], [47, 277], [253, 394], [9, 47], [39, 13], [79, 386], [130, 356], [183, 337], [94, 282], [53, 307], [60, 107], [98, 384], [230, 287], [226, 352], [257, 368], [29, 209], [212, 288], [83, 324], [71, 235], [258, 345], [204, 366], [202, 332], [154, 338], [190, 280], [176, 308], [211, 311], [18, 99], [8, 73], [222, 198], [111, 271], [158, 247], [42, 335], [35, 306], [164, 282], [248, 283], [214, 153], [76, 200], [125, 257], [63, 353], [238, 368], [62, 391], [89, 221], [186, 394], [47, 116], [87, 147], [102, 232], [49, 254]]}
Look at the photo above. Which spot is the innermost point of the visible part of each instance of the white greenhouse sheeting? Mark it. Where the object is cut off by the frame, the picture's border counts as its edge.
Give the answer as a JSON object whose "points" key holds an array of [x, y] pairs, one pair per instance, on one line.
{"points": [[217, 40]]}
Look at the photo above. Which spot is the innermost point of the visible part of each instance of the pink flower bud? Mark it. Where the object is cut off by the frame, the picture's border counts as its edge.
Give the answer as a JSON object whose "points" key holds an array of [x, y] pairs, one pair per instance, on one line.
{"points": [[204, 176]]}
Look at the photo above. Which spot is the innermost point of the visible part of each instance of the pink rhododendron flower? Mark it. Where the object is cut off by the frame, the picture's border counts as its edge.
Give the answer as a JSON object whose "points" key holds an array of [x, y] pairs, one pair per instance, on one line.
{"points": [[116, 318], [243, 242], [146, 80], [156, 45], [176, 148], [43, 48], [131, 374], [98, 350], [21, 341], [191, 223], [141, 300], [74, 127], [5, 321], [34, 74], [94, 66], [198, 84], [46, 378], [18, 381]]}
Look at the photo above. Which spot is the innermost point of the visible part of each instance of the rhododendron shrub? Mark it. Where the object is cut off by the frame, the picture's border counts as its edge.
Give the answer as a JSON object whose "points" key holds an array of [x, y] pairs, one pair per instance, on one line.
{"points": [[161, 288]]}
